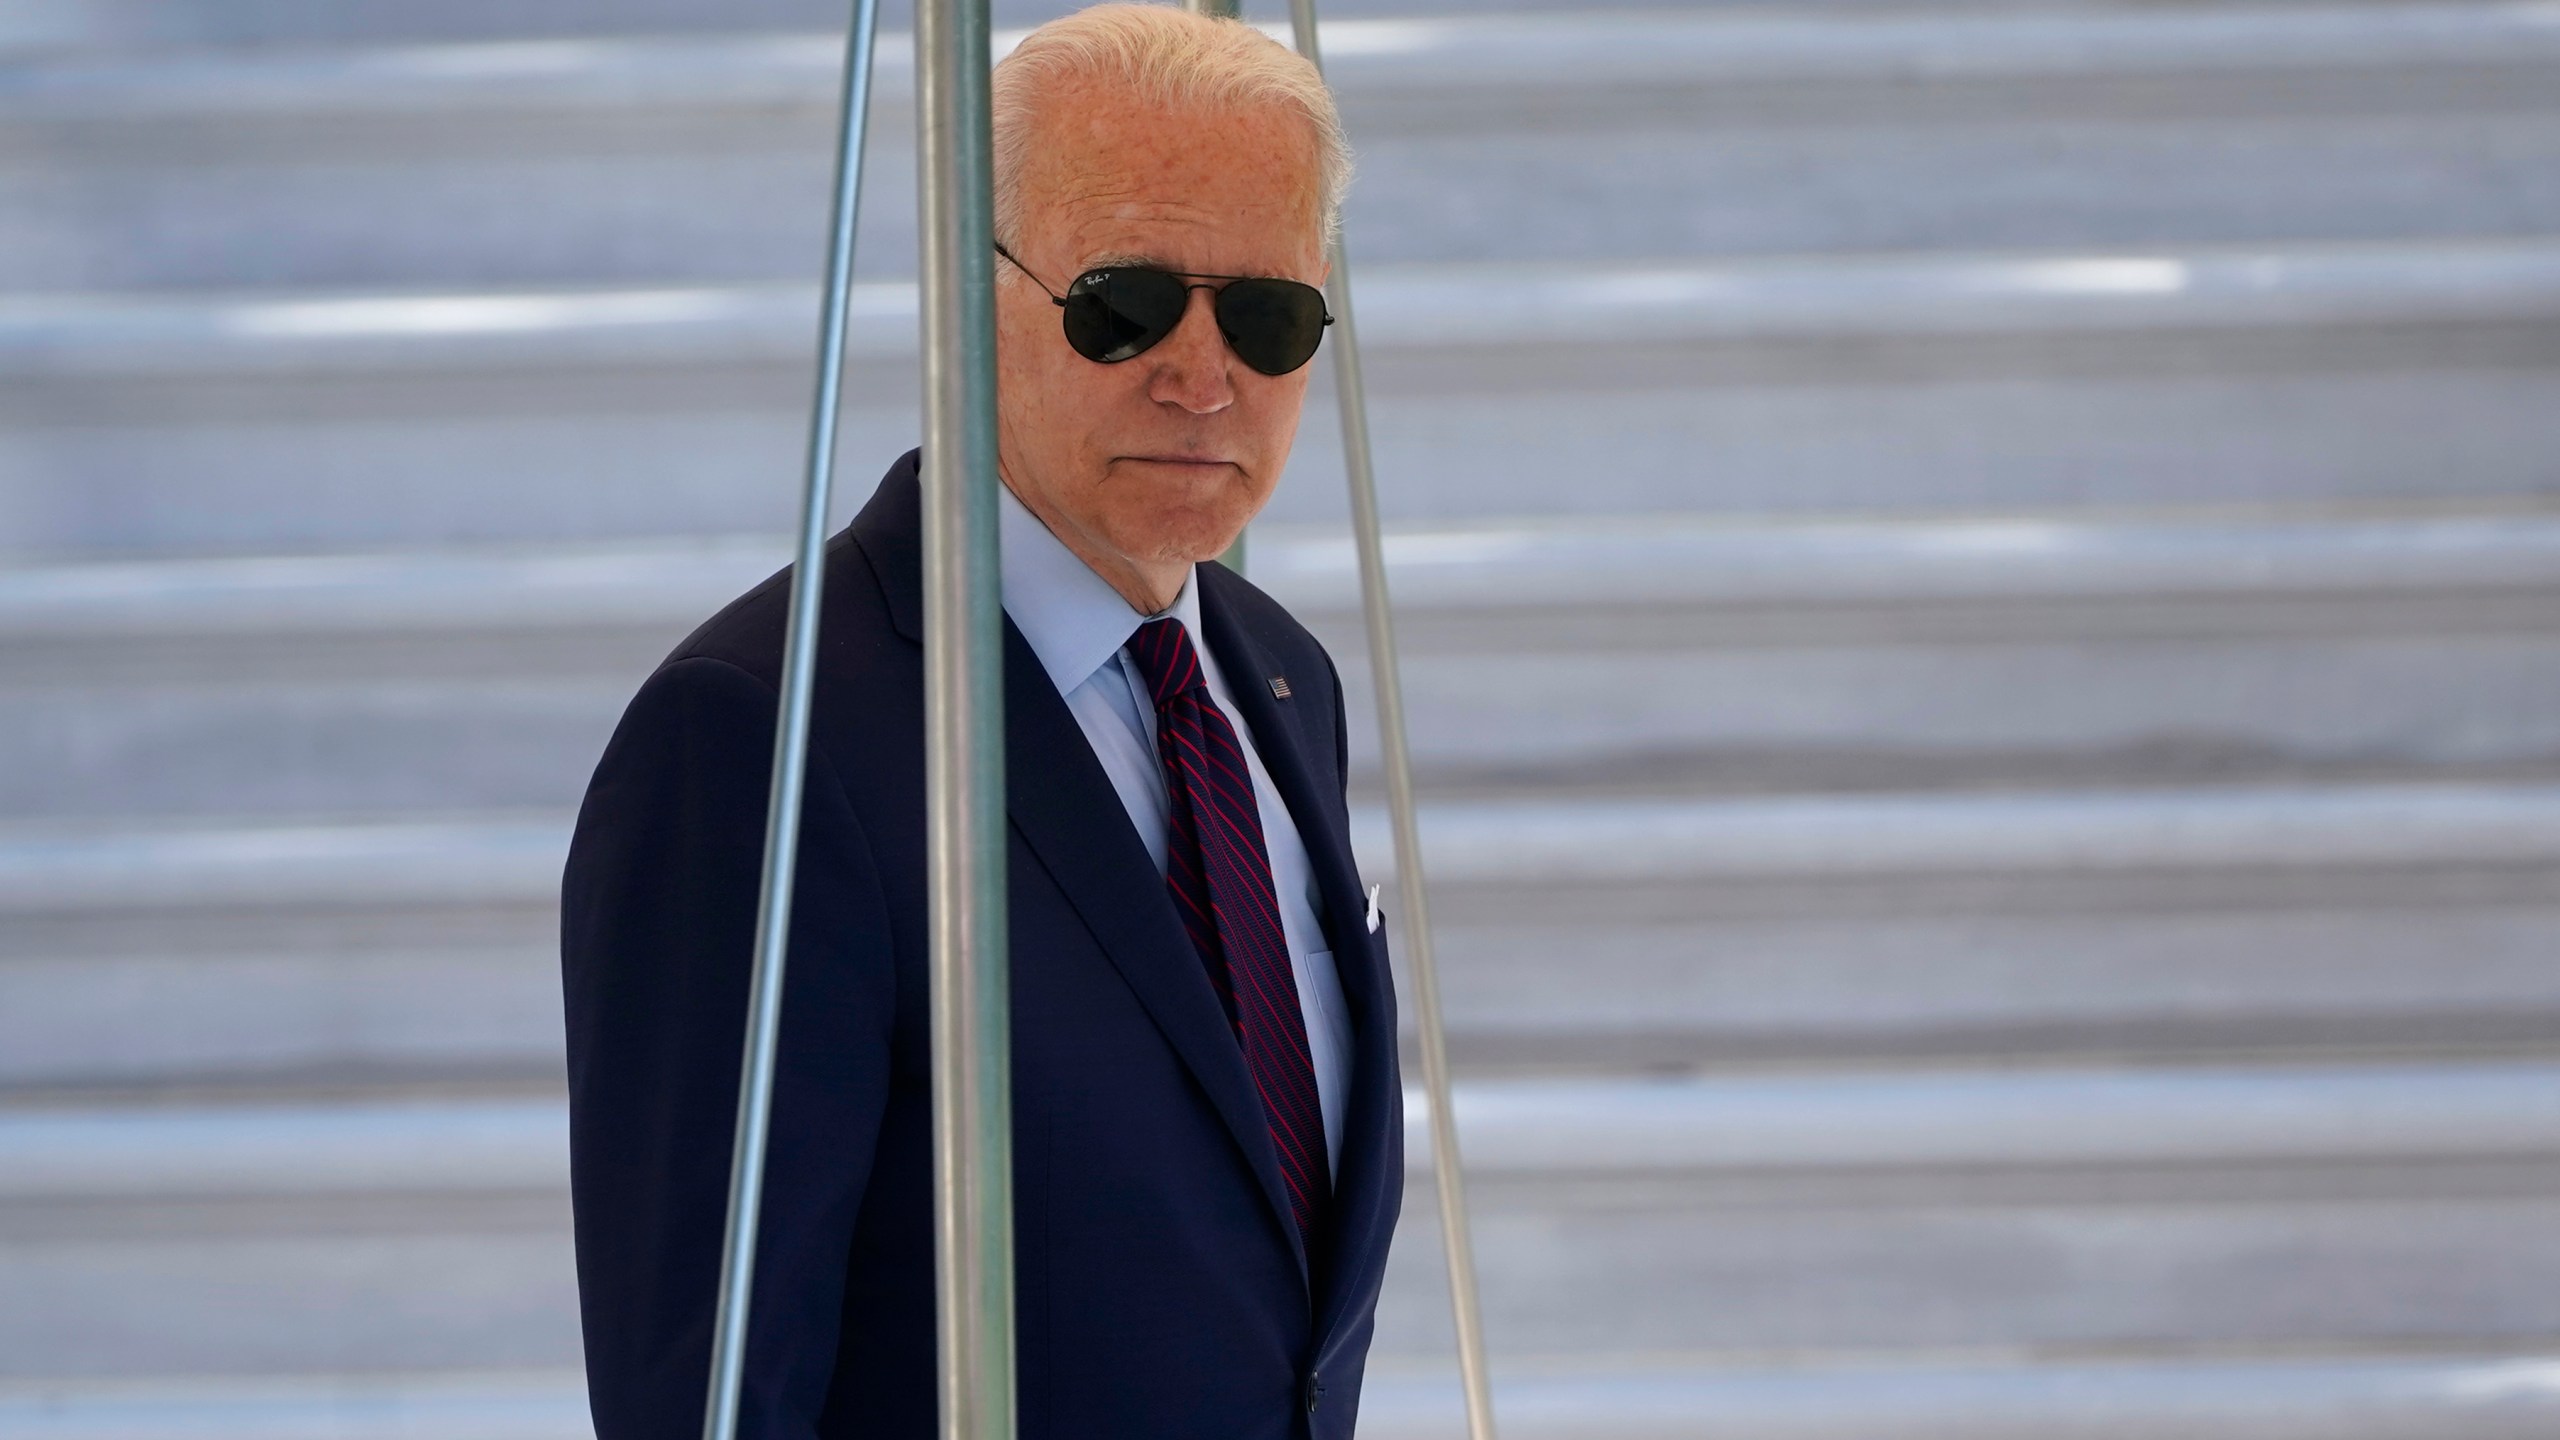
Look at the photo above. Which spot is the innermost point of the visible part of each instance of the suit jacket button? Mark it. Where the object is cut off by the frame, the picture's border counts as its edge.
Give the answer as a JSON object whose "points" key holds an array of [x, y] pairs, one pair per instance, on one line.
{"points": [[1314, 1391]]}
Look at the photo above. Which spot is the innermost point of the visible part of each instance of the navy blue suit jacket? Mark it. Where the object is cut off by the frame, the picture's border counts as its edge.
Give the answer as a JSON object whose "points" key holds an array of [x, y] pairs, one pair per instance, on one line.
{"points": [[1161, 1286]]}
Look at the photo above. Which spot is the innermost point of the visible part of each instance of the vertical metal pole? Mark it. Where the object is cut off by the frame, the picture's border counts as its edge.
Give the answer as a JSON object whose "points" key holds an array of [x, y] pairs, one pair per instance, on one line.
{"points": [[1386, 677], [790, 759], [964, 727], [1233, 558]]}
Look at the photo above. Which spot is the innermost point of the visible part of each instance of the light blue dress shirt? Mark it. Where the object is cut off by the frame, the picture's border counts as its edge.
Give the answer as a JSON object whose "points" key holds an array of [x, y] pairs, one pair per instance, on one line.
{"points": [[1077, 625]]}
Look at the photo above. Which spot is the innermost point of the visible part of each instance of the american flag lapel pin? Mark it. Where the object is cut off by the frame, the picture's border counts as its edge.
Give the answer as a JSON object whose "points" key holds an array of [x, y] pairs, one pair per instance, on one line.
{"points": [[1279, 687]]}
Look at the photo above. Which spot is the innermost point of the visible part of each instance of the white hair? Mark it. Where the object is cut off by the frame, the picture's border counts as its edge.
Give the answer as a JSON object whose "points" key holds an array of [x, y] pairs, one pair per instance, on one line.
{"points": [[1159, 56]]}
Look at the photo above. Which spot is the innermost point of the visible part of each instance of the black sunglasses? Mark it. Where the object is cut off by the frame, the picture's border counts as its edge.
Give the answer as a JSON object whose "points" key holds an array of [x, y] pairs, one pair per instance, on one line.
{"points": [[1116, 311]]}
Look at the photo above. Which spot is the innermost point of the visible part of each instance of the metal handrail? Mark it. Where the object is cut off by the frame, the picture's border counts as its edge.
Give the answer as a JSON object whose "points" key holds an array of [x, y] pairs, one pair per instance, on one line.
{"points": [[1352, 399], [964, 726], [1233, 556], [790, 757]]}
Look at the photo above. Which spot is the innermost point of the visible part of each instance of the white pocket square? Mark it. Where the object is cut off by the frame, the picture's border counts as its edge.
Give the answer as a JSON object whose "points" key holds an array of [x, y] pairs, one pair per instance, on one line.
{"points": [[1377, 917]]}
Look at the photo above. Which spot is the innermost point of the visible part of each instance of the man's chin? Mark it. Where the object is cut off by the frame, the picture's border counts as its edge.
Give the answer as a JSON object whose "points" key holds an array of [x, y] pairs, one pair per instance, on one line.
{"points": [[1192, 552], [1185, 542], [1178, 523]]}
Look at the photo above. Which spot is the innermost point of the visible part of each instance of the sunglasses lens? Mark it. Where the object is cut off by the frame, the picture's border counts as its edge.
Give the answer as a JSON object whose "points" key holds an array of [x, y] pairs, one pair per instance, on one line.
{"points": [[1115, 313], [1273, 325]]}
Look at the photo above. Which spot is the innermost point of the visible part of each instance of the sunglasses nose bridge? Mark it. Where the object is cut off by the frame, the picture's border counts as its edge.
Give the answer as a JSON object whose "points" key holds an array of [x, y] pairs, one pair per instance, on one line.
{"points": [[1193, 306], [1192, 363]]}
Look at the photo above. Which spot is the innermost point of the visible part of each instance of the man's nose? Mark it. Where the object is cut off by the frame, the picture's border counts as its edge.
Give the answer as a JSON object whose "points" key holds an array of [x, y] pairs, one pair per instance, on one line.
{"points": [[1190, 367]]}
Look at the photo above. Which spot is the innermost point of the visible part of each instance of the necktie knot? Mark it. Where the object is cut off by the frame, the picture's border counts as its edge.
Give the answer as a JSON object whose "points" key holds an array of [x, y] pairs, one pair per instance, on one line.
{"points": [[1163, 653]]}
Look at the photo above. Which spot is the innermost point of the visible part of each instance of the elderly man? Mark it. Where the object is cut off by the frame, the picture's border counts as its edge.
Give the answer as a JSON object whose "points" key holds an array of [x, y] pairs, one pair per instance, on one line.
{"points": [[1207, 1127]]}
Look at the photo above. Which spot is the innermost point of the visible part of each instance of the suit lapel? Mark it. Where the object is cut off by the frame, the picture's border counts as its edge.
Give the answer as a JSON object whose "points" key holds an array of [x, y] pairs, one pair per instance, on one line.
{"points": [[1055, 789], [1055, 792], [1368, 1187]]}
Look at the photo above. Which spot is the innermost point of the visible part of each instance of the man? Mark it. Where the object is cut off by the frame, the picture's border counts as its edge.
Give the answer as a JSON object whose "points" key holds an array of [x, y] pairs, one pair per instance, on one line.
{"points": [[1207, 1120]]}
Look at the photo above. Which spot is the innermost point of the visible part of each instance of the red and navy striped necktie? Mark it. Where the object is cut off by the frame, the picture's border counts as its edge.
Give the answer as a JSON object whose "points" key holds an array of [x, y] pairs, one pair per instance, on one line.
{"points": [[1220, 876]]}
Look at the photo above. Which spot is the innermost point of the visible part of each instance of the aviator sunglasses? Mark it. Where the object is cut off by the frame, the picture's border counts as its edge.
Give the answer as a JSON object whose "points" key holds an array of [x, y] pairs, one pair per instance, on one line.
{"points": [[1116, 311]]}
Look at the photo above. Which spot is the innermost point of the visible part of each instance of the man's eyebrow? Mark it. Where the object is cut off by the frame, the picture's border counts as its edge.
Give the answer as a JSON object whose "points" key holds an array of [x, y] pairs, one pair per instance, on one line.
{"points": [[1111, 258]]}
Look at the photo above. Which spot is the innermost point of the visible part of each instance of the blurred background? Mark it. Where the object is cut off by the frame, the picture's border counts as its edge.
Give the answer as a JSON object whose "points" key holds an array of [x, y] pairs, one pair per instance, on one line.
{"points": [[1981, 589]]}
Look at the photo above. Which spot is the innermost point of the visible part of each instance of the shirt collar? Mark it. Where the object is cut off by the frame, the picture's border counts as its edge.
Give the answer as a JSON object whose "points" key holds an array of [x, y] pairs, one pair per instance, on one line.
{"points": [[1071, 616]]}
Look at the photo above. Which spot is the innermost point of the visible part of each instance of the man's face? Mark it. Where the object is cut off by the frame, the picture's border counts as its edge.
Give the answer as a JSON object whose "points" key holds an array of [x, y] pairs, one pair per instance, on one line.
{"points": [[1154, 462]]}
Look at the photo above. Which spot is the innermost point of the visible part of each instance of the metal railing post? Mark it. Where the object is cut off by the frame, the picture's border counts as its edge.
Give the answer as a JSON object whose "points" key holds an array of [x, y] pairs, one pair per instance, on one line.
{"points": [[1386, 677], [964, 727], [790, 758], [1233, 557]]}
